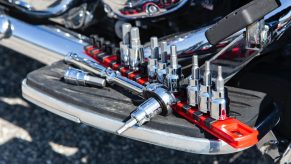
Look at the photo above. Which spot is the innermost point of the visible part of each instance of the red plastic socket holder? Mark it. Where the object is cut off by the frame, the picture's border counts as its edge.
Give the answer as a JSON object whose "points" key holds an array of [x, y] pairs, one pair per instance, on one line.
{"points": [[230, 130]]}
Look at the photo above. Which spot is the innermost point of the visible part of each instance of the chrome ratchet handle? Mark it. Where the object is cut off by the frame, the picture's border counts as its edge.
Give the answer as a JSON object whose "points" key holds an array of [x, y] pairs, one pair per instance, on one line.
{"points": [[110, 75], [86, 64], [126, 83]]}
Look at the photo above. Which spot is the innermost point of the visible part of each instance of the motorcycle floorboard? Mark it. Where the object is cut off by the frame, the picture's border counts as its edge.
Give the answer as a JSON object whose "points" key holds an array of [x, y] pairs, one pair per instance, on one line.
{"points": [[107, 108]]}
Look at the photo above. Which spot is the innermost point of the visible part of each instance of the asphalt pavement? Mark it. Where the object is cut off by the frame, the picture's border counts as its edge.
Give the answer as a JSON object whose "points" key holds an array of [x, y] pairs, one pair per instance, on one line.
{"points": [[30, 134]]}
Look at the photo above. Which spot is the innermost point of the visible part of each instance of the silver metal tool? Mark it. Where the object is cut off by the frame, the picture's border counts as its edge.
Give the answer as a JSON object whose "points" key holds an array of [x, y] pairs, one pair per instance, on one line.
{"points": [[153, 60], [162, 64], [205, 90], [85, 64], [159, 101], [78, 77], [194, 84], [174, 72], [124, 45], [142, 114], [135, 50], [218, 102], [112, 77]]}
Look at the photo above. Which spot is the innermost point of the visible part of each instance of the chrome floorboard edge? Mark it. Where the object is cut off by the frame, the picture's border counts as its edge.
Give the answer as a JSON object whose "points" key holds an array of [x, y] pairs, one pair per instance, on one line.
{"points": [[152, 136]]}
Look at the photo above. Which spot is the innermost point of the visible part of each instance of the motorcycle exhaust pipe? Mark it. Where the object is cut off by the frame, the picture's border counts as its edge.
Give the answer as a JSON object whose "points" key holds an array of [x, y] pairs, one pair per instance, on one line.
{"points": [[46, 44]]}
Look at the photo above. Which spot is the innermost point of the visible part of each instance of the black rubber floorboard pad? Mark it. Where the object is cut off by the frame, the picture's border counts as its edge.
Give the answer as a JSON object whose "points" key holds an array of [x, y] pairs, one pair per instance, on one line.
{"points": [[118, 103], [271, 75]]}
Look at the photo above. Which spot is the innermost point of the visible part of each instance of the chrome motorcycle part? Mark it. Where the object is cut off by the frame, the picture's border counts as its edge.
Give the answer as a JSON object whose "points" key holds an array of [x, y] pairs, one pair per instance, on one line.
{"points": [[206, 90], [142, 8], [78, 77], [194, 84], [5, 28], [76, 18], [174, 72], [48, 44], [254, 35], [218, 107], [47, 10]]}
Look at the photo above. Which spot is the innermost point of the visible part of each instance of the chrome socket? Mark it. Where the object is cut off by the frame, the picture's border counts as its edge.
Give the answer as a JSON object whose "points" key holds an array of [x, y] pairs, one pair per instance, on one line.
{"points": [[136, 55], [153, 60], [174, 72], [159, 101], [124, 54], [205, 93], [162, 64], [81, 78], [124, 45], [194, 84], [146, 111], [218, 102]]}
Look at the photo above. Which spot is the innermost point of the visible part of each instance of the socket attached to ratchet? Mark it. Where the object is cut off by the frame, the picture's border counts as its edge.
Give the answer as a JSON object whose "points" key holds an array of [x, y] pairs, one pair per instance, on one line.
{"points": [[159, 102]]}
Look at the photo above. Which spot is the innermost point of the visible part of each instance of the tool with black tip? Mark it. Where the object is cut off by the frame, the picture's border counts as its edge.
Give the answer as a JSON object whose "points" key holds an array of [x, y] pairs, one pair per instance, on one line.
{"points": [[205, 90], [162, 64], [81, 78], [153, 60], [194, 84], [174, 72], [159, 102]]}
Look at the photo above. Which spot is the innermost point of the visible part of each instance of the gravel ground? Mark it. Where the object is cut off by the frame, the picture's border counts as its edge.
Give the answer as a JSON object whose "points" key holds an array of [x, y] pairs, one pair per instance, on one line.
{"points": [[29, 134]]}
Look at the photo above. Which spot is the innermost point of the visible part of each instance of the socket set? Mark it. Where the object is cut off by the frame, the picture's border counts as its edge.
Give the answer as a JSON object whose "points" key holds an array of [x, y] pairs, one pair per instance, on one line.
{"points": [[207, 101]]}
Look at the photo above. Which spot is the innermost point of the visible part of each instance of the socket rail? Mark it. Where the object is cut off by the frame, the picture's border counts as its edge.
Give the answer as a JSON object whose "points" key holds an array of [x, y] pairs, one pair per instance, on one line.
{"points": [[230, 130]]}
